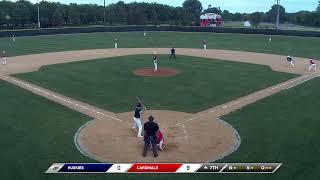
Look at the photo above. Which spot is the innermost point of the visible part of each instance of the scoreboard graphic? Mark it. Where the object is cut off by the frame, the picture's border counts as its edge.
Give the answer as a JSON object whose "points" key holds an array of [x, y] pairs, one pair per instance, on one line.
{"points": [[164, 168]]}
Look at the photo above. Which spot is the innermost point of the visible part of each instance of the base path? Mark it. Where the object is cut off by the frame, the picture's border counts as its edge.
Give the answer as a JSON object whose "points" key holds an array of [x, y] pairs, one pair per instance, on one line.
{"points": [[189, 137], [29, 63]]}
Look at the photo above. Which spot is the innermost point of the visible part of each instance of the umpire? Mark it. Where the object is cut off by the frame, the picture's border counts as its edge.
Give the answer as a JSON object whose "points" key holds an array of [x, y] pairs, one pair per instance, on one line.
{"points": [[150, 129]]}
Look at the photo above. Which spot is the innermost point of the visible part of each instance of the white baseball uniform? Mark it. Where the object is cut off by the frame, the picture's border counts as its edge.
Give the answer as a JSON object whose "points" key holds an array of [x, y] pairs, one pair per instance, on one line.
{"points": [[313, 65], [4, 58], [137, 121], [155, 62]]}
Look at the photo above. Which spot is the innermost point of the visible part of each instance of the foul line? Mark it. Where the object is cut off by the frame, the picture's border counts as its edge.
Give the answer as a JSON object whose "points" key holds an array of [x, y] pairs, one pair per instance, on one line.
{"points": [[250, 97], [308, 79], [58, 97]]}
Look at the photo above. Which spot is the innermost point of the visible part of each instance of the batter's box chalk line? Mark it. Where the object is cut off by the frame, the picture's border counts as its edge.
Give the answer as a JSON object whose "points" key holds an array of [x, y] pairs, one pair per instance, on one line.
{"points": [[236, 144]]}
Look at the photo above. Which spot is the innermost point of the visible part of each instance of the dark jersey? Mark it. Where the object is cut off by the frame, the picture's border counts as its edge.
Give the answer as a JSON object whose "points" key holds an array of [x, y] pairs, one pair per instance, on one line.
{"points": [[173, 51], [137, 112], [312, 61], [155, 57], [151, 128]]}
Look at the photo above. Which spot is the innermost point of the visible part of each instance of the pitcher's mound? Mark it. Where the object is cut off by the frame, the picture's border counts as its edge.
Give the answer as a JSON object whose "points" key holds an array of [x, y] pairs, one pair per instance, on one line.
{"points": [[162, 72]]}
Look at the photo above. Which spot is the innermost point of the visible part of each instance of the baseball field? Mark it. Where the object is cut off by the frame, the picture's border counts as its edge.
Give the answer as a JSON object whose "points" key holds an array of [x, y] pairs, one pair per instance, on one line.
{"points": [[69, 98]]}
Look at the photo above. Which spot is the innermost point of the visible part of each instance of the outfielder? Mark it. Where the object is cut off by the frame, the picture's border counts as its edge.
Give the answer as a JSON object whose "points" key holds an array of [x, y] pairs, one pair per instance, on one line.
{"points": [[137, 119], [270, 39], [290, 61], [204, 44], [115, 43], [4, 58], [155, 61], [13, 38], [312, 65]]}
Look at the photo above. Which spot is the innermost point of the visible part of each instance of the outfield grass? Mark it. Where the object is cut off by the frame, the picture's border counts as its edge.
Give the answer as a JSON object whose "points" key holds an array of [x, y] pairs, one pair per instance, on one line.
{"points": [[110, 84], [34, 134], [281, 128], [283, 45]]}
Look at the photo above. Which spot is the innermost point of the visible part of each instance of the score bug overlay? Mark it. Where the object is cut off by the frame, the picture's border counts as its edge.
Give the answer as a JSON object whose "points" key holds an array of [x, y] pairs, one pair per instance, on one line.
{"points": [[164, 168]]}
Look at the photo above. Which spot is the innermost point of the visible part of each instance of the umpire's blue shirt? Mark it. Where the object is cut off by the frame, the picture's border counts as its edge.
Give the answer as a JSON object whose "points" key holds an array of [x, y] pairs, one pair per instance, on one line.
{"points": [[151, 128]]}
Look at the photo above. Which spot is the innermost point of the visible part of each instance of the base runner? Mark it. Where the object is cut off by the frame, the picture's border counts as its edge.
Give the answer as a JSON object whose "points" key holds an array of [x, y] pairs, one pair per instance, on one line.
{"points": [[313, 65], [290, 61]]}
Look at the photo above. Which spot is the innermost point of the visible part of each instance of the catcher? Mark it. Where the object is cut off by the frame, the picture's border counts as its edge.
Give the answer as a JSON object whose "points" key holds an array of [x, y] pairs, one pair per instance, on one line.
{"points": [[159, 140]]}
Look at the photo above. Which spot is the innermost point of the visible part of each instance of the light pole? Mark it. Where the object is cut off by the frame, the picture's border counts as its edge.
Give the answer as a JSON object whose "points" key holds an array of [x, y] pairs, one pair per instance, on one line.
{"points": [[104, 12], [278, 14], [39, 24]]}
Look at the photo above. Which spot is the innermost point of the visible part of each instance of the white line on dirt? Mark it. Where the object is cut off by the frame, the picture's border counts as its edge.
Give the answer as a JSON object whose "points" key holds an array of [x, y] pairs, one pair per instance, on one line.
{"points": [[75, 140], [236, 144], [186, 137], [58, 97]]}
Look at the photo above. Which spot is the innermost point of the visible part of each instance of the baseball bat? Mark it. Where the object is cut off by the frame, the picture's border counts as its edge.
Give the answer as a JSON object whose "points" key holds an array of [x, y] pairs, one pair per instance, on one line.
{"points": [[145, 108]]}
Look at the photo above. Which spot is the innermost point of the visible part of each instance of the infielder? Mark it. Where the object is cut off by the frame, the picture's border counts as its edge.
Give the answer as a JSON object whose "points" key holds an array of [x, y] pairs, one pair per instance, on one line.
{"points": [[155, 61], [312, 65], [204, 44], [4, 58], [173, 53], [290, 61], [137, 119]]}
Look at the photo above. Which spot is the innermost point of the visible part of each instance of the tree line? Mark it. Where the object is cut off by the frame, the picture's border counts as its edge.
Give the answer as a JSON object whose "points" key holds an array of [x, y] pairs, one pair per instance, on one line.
{"points": [[24, 14]]}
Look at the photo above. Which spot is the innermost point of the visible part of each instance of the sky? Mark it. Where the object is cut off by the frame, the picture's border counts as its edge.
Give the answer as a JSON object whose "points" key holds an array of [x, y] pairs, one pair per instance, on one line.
{"points": [[242, 6]]}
